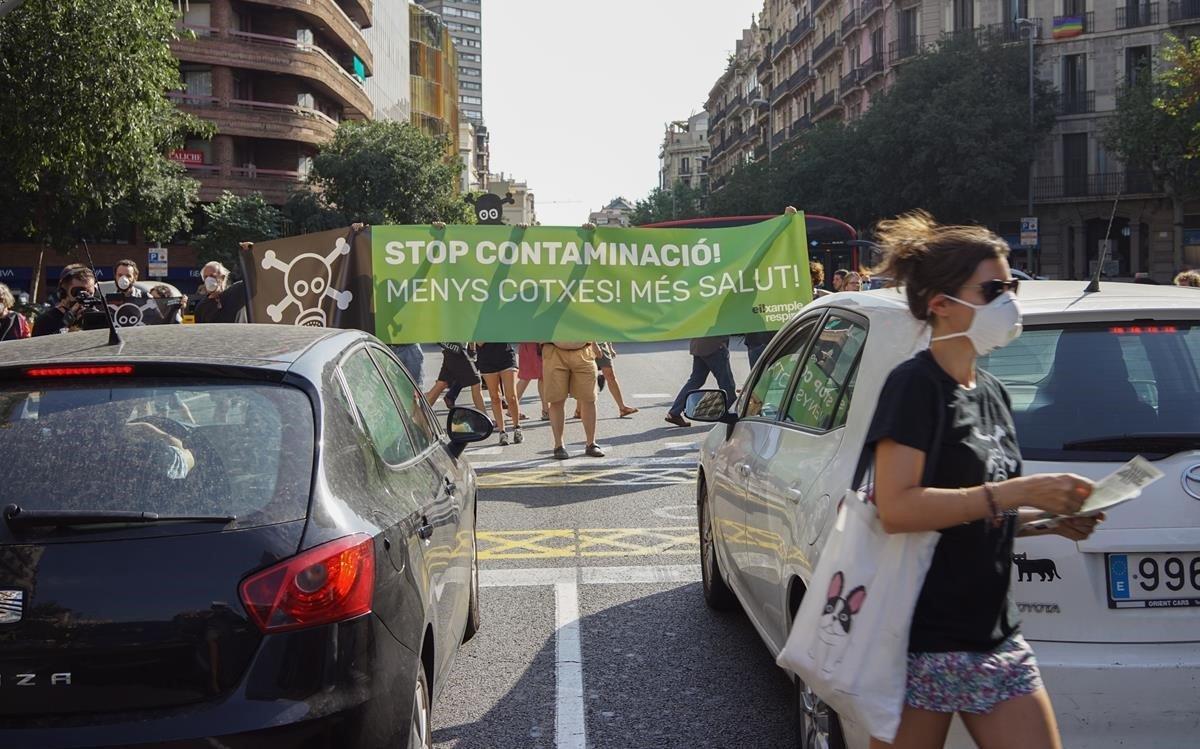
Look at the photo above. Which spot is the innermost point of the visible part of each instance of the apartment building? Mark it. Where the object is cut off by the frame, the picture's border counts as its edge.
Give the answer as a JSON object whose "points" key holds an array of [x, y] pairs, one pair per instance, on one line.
{"points": [[736, 107], [275, 77], [523, 209], [616, 213], [434, 62], [464, 18], [389, 39], [683, 157]]}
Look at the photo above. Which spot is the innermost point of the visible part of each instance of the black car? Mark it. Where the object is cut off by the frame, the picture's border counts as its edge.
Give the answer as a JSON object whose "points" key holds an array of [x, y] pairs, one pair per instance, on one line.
{"points": [[233, 536]]}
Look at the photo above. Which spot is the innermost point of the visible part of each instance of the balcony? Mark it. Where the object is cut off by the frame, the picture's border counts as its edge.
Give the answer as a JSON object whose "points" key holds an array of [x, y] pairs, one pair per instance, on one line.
{"points": [[239, 49], [1076, 102], [1182, 10], [803, 28], [778, 47], [274, 184], [797, 79], [818, 6], [1083, 185], [868, 8], [1067, 27], [362, 11], [849, 22], [258, 119], [825, 105], [799, 126], [778, 139], [904, 49], [1135, 16], [849, 82], [871, 68], [827, 46], [764, 69], [328, 16], [1007, 32]]}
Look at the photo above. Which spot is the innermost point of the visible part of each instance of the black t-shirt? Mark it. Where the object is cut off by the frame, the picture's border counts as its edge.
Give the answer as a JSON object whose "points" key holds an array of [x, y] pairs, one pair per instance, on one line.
{"points": [[964, 604], [225, 307], [51, 321]]}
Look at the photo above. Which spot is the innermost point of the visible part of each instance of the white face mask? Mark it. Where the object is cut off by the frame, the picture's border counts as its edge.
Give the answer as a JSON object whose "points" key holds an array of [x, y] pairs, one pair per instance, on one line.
{"points": [[995, 324], [211, 283], [124, 282]]}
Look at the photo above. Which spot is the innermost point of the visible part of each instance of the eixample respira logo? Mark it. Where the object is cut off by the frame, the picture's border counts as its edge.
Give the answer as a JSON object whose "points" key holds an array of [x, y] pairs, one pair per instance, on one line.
{"points": [[308, 279], [773, 313]]}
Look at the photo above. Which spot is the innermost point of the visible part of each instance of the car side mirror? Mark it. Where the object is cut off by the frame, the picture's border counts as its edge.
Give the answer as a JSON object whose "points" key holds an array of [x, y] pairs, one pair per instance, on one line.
{"points": [[710, 406], [464, 426]]}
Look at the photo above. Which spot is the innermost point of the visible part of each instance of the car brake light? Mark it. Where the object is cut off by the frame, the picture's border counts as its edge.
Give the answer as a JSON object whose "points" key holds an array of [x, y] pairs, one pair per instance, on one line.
{"points": [[328, 583], [106, 371], [1143, 329]]}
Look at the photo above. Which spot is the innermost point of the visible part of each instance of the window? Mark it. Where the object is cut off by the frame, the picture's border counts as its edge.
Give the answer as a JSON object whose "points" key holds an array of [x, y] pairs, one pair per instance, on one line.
{"points": [[1137, 64], [816, 403], [470, 100], [1075, 164], [964, 15], [1100, 382], [470, 86], [472, 72], [412, 402], [685, 166], [766, 397], [376, 409]]}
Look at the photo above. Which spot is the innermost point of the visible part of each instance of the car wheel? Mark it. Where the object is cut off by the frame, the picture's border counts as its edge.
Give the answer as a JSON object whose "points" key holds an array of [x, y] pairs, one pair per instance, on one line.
{"points": [[817, 724], [474, 618], [420, 735], [716, 593]]}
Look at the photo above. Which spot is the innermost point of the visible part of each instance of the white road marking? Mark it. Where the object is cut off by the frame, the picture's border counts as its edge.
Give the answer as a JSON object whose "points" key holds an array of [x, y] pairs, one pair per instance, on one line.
{"points": [[676, 512], [654, 396], [530, 576], [581, 463], [493, 450], [682, 446], [570, 729]]}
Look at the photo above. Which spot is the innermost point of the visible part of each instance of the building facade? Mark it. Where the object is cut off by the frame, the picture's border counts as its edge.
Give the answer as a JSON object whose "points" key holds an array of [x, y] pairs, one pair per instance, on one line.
{"points": [[523, 209], [434, 82], [275, 77], [683, 157], [736, 110], [464, 19], [616, 213], [389, 40]]}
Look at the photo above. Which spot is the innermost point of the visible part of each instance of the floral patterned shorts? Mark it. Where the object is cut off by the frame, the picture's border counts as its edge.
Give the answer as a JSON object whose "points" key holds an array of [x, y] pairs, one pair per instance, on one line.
{"points": [[972, 682]]}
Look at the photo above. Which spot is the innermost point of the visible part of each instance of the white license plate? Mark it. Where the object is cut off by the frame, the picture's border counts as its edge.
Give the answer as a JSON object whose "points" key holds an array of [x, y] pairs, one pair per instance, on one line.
{"points": [[1161, 580]]}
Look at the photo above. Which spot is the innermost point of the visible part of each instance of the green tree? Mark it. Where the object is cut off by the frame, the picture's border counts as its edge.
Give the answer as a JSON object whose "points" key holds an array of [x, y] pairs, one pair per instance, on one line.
{"points": [[84, 122], [384, 172], [678, 203], [1179, 92], [234, 219], [1151, 136]]}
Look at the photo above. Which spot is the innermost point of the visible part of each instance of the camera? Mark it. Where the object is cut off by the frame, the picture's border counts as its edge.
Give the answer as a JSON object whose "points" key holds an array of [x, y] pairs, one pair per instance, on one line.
{"points": [[93, 315]]}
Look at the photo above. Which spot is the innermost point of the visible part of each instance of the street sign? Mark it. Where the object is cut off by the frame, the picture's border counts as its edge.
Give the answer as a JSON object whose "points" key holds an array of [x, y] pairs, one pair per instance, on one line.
{"points": [[157, 265], [1029, 231]]}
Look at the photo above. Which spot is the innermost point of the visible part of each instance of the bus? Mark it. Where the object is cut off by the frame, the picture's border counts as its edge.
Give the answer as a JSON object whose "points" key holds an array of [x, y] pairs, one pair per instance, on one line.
{"points": [[831, 242]]}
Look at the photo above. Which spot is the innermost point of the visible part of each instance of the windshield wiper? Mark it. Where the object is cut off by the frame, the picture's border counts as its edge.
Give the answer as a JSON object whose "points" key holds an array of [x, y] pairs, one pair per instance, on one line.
{"points": [[19, 518], [1155, 442]]}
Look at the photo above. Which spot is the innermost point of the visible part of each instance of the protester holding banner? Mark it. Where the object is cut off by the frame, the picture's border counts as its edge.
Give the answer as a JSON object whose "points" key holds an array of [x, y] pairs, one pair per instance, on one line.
{"points": [[569, 369], [222, 301], [709, 356], [497, 364], [13, 325], [458, 369], [163, 292], [125, 276]]}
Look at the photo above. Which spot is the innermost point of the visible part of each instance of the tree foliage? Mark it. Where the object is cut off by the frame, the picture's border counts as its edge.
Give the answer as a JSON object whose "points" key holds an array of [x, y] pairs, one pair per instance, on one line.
{"points": [[234, 219], [678, 203], [1178, 95], [385, 172], [84, 122]]}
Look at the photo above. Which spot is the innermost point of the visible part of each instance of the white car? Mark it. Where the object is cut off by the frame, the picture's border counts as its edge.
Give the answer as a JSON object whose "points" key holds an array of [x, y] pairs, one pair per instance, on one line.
{"points": [[1095, 379]]}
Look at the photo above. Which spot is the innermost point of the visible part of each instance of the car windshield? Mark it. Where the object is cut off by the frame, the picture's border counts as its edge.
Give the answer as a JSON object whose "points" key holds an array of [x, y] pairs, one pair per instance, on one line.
{"points": [[1103, 392], [172, 447]]}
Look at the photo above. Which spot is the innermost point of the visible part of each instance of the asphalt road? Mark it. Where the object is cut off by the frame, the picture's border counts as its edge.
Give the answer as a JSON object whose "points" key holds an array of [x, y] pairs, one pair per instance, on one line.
{"points": [[595, 630]]}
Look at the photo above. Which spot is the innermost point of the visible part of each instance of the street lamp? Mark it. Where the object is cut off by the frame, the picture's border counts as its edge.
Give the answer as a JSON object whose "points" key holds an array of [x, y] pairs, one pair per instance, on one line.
{"points": [[770, 125], [1029, 26]]}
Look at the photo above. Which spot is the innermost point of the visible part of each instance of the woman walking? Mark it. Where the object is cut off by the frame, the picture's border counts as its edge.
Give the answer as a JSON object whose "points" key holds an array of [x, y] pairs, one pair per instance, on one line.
{"points": [[458, 371], [966, 653], [13, 325], [497, 363], [529, 369]]}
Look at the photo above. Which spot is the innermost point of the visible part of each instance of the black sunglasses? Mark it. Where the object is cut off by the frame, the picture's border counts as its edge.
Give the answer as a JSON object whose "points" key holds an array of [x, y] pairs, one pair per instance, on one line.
{"points": [[994, 288]]}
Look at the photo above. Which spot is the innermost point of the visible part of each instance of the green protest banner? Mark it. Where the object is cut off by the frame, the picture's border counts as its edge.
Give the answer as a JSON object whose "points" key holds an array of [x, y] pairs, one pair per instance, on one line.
{"points": [[506, 284]]}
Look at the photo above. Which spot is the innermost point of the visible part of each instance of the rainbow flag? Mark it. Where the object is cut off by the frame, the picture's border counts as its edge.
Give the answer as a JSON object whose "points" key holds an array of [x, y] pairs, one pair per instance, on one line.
{"points": [[1065, 27]]}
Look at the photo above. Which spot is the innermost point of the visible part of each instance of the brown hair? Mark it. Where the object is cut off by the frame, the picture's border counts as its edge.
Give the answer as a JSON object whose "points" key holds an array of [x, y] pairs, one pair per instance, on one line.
{"points": [[1188, 278], [817, 271], [131, 265], [75, 272], [928, 259]]}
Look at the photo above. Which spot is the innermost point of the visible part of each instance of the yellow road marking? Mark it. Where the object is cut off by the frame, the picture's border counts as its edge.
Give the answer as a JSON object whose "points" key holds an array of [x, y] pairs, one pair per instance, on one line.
{"points": [[587, 542], [615, 476], [538, 544]]}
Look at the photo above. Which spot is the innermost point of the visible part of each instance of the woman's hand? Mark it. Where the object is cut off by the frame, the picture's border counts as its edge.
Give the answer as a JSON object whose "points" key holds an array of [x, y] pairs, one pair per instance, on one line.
{"points": [[1056, 493], [1078, 529]]}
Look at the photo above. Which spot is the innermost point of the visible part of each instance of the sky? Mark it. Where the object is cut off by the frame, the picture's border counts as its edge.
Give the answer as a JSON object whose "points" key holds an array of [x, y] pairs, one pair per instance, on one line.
{"points": [[577, 93]]}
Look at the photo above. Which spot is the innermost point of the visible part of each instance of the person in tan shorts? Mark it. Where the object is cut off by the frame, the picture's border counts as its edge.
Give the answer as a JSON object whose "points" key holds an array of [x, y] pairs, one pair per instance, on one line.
{"points": [[569, 369]]}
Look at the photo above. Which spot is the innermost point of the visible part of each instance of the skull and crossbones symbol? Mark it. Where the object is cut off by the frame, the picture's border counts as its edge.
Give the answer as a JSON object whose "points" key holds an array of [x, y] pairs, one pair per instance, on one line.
{"points": [[308, 278]]}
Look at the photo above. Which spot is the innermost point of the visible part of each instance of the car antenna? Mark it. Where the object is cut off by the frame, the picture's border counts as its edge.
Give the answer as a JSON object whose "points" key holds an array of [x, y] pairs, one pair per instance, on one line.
{"points": [[1094, 285], [114, 338]]}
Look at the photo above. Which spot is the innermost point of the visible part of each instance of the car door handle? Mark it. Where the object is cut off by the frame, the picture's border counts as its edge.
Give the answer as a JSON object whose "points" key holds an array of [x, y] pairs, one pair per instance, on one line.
{"points": [[425, 532], [743, 469], [451, 487], [795, 494]]}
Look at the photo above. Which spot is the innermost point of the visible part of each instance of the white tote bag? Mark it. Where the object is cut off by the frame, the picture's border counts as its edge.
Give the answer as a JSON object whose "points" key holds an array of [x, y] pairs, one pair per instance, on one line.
{"points": [[849, 641]]}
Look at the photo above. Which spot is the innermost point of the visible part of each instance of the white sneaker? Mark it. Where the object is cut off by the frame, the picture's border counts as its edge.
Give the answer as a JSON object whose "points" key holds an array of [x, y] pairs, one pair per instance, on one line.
{"points": [[518, 438], [503, 438]]}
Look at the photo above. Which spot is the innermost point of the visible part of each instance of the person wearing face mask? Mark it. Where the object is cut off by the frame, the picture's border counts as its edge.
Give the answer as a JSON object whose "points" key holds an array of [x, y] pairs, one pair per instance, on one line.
{"points": [[75, 283], [13, 325], [220, 301], [966, 653], [126, 276]]}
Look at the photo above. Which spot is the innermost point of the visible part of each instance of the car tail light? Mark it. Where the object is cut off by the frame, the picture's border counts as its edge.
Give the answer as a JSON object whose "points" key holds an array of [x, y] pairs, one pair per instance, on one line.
{"points": [[105, 371], [328, 583], [1143, 329]]}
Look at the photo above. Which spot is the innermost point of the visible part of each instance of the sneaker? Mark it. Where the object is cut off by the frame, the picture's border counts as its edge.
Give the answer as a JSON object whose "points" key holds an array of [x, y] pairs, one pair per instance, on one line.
{"points": [[593, 451], [518, 438], [560, 453], [678, 420], [503, 438]]}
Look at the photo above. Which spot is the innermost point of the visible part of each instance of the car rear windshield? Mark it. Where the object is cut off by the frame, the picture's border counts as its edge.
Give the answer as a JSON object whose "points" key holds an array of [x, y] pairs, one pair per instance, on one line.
{"points": [[1103, 392], [172, 447]]}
